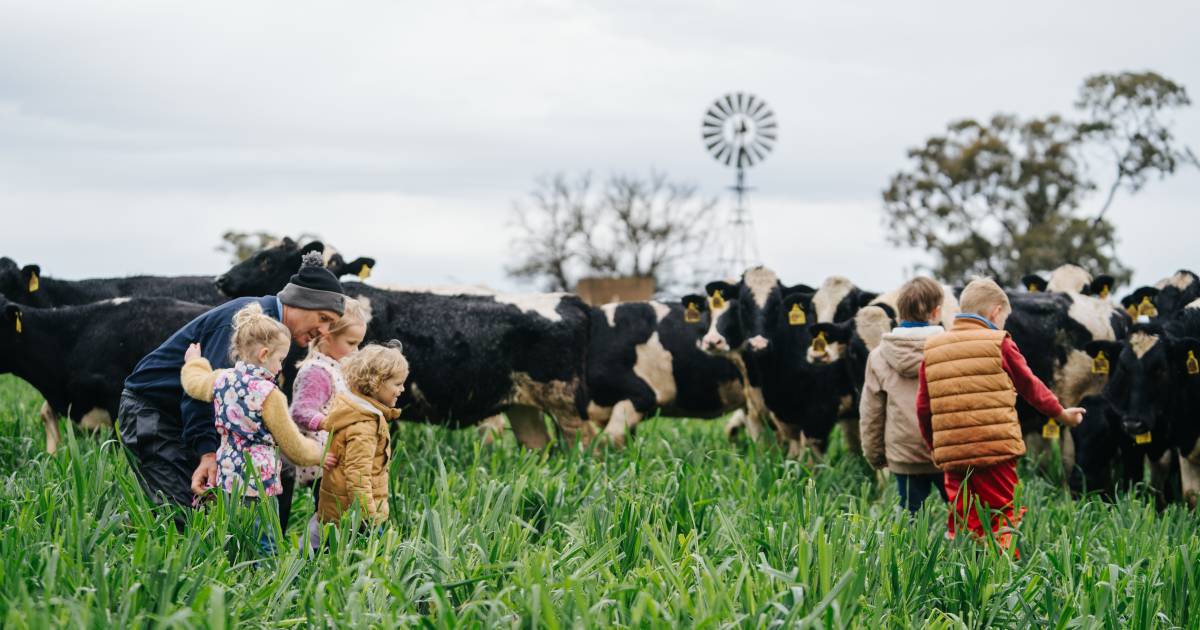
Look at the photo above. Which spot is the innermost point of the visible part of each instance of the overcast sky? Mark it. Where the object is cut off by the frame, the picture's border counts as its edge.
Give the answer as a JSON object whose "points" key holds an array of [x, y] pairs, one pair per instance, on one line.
{"points": [[133, 133]]}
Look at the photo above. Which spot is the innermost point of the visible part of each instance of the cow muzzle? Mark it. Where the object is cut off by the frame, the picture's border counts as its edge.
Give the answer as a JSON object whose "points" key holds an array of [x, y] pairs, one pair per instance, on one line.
{"points": [[712, 342]]}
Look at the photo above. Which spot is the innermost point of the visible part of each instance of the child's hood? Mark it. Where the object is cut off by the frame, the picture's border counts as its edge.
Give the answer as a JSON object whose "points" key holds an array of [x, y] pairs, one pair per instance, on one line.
{"points": [[904, 348], [350, 408]]}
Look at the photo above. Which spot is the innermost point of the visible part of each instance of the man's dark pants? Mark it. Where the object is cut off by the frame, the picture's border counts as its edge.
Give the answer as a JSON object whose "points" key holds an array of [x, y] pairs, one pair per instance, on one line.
{"points": [[163, 463]]}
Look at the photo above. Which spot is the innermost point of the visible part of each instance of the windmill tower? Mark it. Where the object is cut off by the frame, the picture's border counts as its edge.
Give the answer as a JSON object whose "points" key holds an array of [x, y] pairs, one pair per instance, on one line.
{"points": [[739, 130]]}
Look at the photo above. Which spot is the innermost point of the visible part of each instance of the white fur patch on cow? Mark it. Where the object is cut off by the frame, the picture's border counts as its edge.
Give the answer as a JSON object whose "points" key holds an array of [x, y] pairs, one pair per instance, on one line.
{"points": [[544, 304], [890, 298], [832, 292], [1195, 304], [1094, 314], [610, 313], [714, 340], [654, 365], [660, 310], [598, 414], [96, 419], [1073, 380], [1068, 279], [118, 301], [327, 254], [1142, 342], [1180, 280], [872, 323], [1189, 478], [760, 281]]}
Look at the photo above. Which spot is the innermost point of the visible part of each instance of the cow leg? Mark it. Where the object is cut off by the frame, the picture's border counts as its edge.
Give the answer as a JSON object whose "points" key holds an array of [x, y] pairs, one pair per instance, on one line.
{"points": [[491, 429], [95, 420], [50, 421], [756, 408], [1067, 444], [624, 418], [1160, 476], [572, 429], [1189, 477], [850, 433], [529, 427]]}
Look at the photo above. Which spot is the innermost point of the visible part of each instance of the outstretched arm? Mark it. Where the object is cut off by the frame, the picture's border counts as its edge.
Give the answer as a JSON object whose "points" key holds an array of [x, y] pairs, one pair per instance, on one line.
{"points": [[299, 449]]}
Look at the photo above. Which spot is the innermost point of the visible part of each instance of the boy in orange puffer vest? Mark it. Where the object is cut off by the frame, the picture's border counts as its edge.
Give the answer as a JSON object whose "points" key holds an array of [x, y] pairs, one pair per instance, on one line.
{"points": [[966, 406]]}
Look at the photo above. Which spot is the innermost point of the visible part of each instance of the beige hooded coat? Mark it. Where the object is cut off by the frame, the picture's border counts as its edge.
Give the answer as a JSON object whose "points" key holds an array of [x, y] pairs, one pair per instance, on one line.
{"points": [[888, 407]]}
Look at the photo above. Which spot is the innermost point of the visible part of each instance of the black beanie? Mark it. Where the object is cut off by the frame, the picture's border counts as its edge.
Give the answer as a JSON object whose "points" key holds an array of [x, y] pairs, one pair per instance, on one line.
{"points": [[314, 287]]}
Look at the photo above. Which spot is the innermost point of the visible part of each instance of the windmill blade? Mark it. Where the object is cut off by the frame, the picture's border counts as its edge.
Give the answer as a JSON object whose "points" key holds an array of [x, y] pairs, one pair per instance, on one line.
{"points": [[758, 108], [714, 115], [751, 100], [729, 102], [709, 121], [721, 106], [708, 133], [710, 146], [759, 153], [770, 135], [741, 104]]}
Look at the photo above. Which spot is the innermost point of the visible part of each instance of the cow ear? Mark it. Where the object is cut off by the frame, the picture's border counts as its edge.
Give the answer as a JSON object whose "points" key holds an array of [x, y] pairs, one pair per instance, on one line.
{"points": [[1034, 283], [1185, 356], [865, 298], [31, 277], [360, 267], [288, 242], [1102, 286], [12, 316], [798, 308], [798, 288], [693, 307], [1103, 355], [312, 246]]}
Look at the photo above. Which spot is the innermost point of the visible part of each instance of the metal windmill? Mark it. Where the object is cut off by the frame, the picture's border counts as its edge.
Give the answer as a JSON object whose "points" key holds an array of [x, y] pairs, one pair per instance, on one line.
{"points": [[739, 130]]}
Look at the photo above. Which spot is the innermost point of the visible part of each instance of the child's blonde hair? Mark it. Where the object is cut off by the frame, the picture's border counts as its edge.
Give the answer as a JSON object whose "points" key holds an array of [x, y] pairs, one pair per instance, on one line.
{"points": [[981, 296], [358, 311], [368, 368], [254, 329], [918, 299]]}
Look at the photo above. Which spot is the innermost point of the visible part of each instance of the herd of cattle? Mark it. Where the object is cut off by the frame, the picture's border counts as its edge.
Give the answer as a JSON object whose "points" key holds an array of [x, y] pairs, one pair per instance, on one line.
{"points": [[788, 358]]}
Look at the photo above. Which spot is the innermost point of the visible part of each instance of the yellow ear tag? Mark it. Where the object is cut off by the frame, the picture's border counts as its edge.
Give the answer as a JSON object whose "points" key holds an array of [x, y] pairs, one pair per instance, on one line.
{"points": [[1032, 288], [1050, 430], [1142, 438], [1100, 363], [1193, 365], [819, 344], [18, 322], [1132, 310], [691, 315], [1147, 307], [33, 282], [364, 271], [1104, 292], [718, 302], [796, 316]]}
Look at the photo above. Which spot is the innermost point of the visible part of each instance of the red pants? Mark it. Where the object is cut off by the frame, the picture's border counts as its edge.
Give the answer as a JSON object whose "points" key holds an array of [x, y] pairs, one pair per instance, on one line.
{"points": [[993, 488]]}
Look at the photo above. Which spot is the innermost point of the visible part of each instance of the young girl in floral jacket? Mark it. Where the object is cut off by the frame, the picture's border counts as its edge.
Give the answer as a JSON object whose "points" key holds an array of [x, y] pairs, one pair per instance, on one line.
{"points": [[251, 413]]}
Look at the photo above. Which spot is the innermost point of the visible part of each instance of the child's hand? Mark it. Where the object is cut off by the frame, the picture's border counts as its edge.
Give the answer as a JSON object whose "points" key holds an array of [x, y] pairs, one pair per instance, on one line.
{"points": [[193, 352], [330, 461], [1072, 417]]}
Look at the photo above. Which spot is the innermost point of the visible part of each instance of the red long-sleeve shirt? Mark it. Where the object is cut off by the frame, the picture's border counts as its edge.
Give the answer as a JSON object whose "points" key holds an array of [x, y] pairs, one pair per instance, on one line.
{"points": [[1028, 386]]}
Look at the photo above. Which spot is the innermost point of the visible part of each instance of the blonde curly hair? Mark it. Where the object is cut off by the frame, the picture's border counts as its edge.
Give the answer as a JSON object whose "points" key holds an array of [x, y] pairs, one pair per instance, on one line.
{"points": [[254, 329], [368, 368]]}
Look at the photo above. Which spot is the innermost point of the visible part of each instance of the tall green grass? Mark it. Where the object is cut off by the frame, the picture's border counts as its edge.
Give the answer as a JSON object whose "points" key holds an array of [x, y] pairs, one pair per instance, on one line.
{"points": [[680, 530]]}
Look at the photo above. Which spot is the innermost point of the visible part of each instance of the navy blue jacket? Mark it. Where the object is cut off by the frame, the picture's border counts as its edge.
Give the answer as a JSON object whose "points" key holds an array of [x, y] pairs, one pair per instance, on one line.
{"points": [[156, 377]]}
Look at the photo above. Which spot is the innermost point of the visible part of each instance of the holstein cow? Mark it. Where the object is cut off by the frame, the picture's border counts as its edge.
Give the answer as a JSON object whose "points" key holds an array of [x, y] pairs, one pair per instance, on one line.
{"points": [[767, 324], [26, 285], [472, 357], [1052, 329], [1167, 297], [77, 357], [1102, 446], [1071, 279], [645, 356], [273, 266], [1155, 388]]}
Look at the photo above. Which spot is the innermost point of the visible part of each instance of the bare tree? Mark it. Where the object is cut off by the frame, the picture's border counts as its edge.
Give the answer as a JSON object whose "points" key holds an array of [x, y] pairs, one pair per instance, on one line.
{"points": [[629, 226]]}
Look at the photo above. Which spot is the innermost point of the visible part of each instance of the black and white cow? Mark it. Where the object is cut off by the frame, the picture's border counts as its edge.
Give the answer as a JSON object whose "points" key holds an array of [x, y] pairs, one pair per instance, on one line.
{"points": [[471, 357], [26, 285], [268, 271], [1071, 279], [1155, 388], [768, 325], [645, 356], [1167, 297], [77, 357]]}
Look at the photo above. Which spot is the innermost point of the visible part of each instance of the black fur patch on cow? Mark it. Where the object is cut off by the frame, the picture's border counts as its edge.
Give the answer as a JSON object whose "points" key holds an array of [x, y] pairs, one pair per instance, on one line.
{"points": [[51, 292]]}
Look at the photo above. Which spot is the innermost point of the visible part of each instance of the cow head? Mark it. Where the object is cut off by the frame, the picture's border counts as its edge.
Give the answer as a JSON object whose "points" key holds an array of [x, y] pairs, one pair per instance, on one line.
{"points": [[1139, 382], [694, 308], [1141, 302], [360, 267], [1034, 283], [1176, 292], [829, 341], [724, 332], [20, 283]]}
